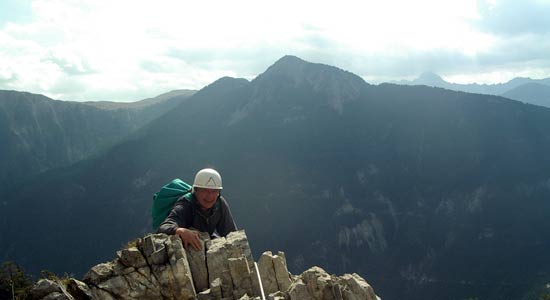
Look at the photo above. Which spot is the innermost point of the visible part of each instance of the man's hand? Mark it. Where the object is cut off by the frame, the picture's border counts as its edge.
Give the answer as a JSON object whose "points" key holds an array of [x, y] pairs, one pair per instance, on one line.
{"points": [[189, 237]]}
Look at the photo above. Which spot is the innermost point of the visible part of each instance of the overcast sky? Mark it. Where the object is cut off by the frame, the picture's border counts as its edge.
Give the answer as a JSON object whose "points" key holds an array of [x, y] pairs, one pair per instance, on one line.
{"points": [[130, 50]]}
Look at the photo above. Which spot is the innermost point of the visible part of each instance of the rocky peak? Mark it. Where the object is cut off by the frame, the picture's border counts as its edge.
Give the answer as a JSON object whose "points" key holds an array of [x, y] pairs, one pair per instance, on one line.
{"points": [[158, 267], [339, 85], [287, 64]]}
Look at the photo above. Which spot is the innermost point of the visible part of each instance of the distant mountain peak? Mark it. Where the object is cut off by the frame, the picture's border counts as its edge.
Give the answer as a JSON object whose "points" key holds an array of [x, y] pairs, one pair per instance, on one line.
{"points": [[430, 78], [523, 89], [430, 75]]}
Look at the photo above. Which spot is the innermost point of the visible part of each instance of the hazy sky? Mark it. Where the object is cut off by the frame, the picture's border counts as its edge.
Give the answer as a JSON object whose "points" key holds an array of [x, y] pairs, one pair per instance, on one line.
{"points": [[130, 50]]}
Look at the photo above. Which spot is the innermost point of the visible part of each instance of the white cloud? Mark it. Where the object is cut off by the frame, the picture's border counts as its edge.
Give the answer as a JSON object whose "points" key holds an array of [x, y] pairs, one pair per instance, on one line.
{"points": [[128, 50]]}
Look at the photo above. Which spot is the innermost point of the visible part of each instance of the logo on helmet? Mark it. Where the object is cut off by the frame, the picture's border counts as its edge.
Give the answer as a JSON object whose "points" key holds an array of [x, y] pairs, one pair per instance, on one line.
{"points": [[211, 182]]}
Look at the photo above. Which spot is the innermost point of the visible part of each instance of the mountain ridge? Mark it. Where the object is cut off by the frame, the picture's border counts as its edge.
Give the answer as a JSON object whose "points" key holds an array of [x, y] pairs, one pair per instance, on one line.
{"points": [[531, 92], [519, 88], [423, 187], [158, 266], [41, 133], [141, 103]]}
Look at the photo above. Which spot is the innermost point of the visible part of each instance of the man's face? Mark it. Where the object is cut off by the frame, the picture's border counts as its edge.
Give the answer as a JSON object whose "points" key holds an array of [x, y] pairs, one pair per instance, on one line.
{"points": [[206, 197]]}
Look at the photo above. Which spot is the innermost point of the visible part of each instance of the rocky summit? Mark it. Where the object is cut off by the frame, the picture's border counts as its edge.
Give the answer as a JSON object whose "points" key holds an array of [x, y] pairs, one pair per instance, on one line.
{"points": [[157, 266]]}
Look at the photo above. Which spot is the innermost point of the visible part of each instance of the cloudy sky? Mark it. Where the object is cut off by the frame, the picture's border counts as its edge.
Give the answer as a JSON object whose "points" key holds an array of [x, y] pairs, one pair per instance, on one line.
{"points": [[130, 50]]}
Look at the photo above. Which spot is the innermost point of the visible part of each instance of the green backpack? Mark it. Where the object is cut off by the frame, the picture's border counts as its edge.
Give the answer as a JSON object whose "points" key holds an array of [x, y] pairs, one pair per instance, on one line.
{"points": [[163, 200]]}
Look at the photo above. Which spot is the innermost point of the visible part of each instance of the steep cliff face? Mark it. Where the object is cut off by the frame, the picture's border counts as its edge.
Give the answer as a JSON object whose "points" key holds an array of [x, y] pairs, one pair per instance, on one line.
{"points": [[158, 267]]}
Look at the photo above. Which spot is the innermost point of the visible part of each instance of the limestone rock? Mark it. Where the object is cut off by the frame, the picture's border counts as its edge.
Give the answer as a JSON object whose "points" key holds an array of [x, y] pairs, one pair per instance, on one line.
{"points": [[47, 289], [237, 246], [241, 277], [216, 258], [246, 297], [216, 288], [155, 268], [281, 271], [154, 249], [277, 296], [158, 267], [205, 295], [267, 273], [316, 284], [356, 288], [58, 296], [44, 287], [79, 290], [131, 257], [99, 273], [319, 283], [274, 272], [299, 291], [181, 271], [197, 264]]}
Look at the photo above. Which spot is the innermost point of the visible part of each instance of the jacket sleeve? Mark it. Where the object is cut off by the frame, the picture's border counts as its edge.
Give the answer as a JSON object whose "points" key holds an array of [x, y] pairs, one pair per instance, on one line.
{"points": [[226, 224], [180, 216]]}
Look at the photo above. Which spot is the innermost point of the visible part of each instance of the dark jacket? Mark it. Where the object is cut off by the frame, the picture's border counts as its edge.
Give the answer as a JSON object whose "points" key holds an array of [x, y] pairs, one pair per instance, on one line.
{"points": [[188, 214]]}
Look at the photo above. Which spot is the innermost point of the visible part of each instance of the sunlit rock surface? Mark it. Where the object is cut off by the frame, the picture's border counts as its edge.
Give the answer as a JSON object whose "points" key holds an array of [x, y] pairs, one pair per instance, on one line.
{"points": [[158, 267]]}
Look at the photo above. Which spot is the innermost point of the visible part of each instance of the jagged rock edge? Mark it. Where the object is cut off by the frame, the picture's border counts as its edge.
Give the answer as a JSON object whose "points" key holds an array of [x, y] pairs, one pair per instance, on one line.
{"points": [[340, 289]]}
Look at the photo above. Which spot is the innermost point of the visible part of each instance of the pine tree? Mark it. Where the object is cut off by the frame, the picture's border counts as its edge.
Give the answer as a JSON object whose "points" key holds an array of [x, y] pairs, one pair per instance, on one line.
{"points": [[14, 282]]}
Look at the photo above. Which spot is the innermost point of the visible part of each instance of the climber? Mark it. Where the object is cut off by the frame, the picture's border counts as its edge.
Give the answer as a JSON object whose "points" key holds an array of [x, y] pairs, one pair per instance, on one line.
{"points": [[203, 210]]}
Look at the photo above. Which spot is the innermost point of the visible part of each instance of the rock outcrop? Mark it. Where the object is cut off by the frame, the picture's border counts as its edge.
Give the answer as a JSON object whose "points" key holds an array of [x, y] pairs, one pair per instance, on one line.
{"points": [[157, 266]]}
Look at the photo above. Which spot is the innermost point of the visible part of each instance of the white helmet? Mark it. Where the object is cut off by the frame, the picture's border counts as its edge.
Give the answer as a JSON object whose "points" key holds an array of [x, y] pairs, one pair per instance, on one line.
{"points": [[208, 179]]}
